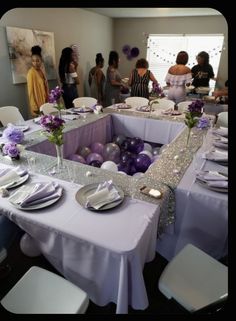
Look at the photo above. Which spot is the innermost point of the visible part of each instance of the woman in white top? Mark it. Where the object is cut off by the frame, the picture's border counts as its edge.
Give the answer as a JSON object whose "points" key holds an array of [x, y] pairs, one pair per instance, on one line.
{"points": [[68, 76], [178, 77]]}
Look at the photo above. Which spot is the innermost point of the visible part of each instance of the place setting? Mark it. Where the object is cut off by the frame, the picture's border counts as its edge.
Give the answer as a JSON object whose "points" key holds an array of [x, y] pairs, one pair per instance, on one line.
{"points": [[213, 180], [122, 106], [36, 195], [100, 196], [171, 112], [144, 108], [218, 156], [11, 178], [221, 142]]}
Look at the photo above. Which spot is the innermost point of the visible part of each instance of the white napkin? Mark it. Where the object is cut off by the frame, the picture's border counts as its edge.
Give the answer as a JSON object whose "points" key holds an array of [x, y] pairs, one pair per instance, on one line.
{"points": [[221, 145], [70, 117], [216, 156], [9, 176], [211, 176], [223, 184], [222, 131], [105, 193], [36, 120], [37, 193]]}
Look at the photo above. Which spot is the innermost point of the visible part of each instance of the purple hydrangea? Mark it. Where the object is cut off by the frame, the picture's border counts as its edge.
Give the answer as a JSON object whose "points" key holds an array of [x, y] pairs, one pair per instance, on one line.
{"points": [[134, 52], [157, 90], [55, 94], [195, 108], [203, 122], [11, 150], [53, 127], [13, 134]]}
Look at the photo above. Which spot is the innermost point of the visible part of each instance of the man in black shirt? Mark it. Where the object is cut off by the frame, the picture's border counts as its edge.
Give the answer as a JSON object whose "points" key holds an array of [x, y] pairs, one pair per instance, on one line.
{"points": [[203, 71]]}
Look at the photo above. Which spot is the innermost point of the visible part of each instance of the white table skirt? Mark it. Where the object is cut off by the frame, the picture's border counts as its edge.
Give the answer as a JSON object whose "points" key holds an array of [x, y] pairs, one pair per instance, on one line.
{"points": [[201, 216], [103, 253]]}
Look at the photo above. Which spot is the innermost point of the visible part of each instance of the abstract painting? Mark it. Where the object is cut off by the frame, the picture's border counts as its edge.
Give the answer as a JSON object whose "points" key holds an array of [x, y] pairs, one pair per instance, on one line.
{"points": [[20, 42]]}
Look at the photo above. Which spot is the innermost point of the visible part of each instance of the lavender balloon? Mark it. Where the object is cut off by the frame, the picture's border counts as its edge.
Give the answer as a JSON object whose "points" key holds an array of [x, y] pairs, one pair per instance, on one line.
{"points": [[111, 152], [77, 158], [142, 162], [97, 148], [94, 156]]}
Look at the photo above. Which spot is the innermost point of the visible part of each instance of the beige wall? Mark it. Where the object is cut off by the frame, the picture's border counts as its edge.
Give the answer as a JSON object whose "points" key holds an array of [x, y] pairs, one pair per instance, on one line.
{"points": [[92, 32], [130, 31]]}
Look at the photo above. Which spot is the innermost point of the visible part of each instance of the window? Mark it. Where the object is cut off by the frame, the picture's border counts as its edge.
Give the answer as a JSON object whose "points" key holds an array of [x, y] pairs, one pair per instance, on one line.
{"points": [[163, 49]]}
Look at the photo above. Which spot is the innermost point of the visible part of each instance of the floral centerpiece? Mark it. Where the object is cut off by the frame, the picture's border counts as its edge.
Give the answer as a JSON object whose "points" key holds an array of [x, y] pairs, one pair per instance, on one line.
{"points": [[53, 129], [55, 99], [157, 91], [195, 110], [14, 136]]}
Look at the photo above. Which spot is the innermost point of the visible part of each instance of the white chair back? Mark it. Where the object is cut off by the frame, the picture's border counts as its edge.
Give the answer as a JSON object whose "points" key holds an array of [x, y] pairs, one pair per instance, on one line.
{"points": [[85, 101], [222, 119], [136, 101], [165, 104], [183, 105], [10, 114], [48, 108], [194, 279]]}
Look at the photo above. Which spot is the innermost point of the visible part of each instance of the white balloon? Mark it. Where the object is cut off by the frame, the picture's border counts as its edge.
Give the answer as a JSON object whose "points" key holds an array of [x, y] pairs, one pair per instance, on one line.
{"points": [[155, 158], [138, 174], [146, 152], [156, 151], [28, 246], [110, 166], [121, 172], [147, 147]]}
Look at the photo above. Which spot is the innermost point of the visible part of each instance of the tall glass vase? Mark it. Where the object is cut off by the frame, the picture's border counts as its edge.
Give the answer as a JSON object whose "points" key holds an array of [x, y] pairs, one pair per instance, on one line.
{"points": [[188, 136], [59, 151]]}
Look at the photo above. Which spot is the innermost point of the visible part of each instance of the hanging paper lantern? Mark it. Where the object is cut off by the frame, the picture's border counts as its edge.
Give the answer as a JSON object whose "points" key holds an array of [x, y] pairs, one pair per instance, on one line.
{"points": [[126, 49], [134, 52]]}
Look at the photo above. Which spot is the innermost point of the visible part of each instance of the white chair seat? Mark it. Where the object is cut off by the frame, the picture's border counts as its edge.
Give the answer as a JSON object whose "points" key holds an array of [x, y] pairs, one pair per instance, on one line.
{"points": [[222, 119], [48, 108], [136, 101], [10, 114], [194, 279], [183, 105], [164, 104], [84, 101], [42, 292]]}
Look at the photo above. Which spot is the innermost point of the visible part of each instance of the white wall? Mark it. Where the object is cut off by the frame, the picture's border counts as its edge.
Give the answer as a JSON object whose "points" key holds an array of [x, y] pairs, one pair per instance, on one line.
{"points": [[130, 32], [92, 32]]}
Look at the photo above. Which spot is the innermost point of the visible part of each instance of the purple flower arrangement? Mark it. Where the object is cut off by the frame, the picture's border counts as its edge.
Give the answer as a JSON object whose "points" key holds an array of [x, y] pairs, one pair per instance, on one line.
{"points": [[55, 95], [203, 123], [13, 134], [53, 128], [11, 150], [157, 90]]}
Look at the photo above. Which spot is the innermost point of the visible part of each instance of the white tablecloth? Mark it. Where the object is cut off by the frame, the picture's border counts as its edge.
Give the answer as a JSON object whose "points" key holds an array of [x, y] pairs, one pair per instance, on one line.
{"points": [[103, 253]]}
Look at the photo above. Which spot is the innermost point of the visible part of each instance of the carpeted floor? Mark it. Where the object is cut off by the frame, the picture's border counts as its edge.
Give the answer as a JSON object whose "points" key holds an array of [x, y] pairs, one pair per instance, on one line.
{"points": [[158, 304]]}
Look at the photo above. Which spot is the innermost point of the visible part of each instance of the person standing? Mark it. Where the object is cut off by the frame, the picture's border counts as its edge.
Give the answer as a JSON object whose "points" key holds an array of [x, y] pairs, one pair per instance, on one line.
{"points": [[139, 79], [97, 79], [203, 71], [37, 84], [68, 76], [178, 77], [113, 80]]}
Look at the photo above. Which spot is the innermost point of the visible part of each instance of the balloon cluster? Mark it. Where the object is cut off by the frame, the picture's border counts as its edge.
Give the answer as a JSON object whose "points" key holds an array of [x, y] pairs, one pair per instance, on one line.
{"points": [[130, 52], [125, 155]]}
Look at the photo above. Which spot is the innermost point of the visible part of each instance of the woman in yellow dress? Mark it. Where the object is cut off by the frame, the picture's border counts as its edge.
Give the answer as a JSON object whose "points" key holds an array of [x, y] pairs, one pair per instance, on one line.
{"points": [[37, 83]]}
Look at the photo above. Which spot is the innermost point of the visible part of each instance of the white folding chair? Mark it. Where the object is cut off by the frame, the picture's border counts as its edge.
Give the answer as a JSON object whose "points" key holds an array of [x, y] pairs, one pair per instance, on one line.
{"points": [[136, 101], [194, 279], [10, 114], [42, 292], [165, 104], [183, 105], [48, 108], [85, 101], [222, 119]]}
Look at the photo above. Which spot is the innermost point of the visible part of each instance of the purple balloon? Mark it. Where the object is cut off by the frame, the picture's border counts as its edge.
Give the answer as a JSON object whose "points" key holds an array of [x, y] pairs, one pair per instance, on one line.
{"points": [[132, 170], [97, 148], [77, 158], [142, 162], [111, 152], [124, 168], [126, 158], [134, 52], [119, 139], [94, 156], [136, 145], [95, 163], [126, 144]]}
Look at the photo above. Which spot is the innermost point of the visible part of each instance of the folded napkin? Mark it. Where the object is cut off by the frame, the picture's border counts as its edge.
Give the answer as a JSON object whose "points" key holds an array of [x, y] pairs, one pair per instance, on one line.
{"points": [[221, 145], [216, 156], [211, 176], [222, 131], [36, 193], [105, 193], [9, 176], [221, 184], [70, 117]]}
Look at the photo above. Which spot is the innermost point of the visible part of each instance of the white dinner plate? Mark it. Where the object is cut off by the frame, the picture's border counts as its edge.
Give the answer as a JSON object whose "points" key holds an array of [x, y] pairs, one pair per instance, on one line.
{"points": [[212, 188], [123, 106], [23, 128], [20, 181], [85, 191], [81, 110]]}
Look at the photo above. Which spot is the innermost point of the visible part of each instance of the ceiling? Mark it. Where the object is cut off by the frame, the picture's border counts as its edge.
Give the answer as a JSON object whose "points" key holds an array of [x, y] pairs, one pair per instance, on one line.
{"points": [[153, 12]]}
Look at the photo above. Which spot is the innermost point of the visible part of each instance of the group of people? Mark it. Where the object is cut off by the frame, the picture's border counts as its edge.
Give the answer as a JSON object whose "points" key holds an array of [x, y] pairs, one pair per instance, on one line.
{"points": [[106, 89]]}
